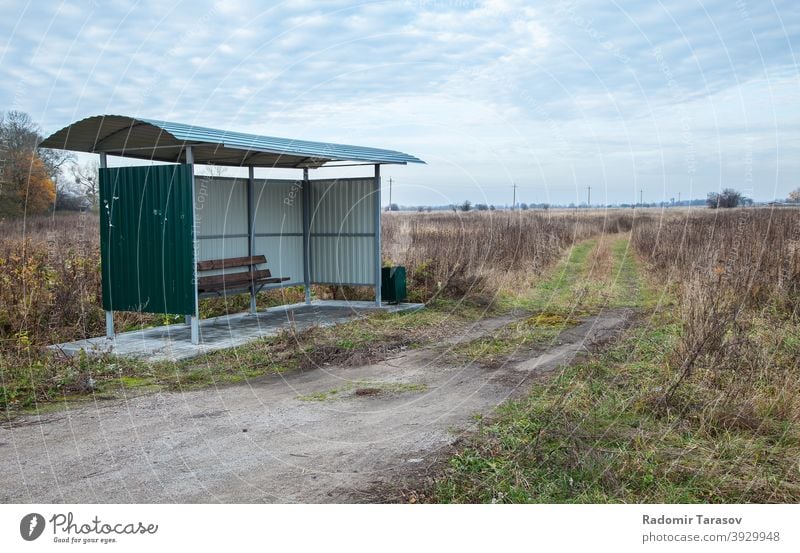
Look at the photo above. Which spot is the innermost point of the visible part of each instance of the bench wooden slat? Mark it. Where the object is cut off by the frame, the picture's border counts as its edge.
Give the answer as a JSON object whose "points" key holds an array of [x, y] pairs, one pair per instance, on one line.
{"points": [[273, 280], [239, 284], [231, 262], [236, 280], [228, 278]]}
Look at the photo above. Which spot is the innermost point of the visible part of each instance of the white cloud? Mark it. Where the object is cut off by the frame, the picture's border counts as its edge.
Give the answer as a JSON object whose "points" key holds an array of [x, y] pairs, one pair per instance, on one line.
{"points": [[497, 89]]}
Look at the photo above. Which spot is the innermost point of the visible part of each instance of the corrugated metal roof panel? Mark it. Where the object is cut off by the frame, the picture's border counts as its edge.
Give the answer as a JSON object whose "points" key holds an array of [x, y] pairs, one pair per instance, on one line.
{"points": [[165, 141]]}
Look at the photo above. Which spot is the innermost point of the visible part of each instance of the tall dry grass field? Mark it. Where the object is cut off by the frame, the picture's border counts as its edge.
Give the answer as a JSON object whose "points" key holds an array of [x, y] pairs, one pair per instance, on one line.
{"points": [[699, 401], [476, 254], [735, 367], [49, 280], [732, 270]]}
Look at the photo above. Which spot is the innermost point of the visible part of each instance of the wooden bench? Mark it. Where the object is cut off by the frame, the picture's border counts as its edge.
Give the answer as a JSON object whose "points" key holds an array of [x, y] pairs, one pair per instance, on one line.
{"points": [[238, 281]]}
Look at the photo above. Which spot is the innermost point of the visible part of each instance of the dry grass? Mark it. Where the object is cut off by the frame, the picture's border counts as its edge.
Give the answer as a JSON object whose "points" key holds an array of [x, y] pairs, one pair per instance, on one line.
{"points": [[475, 255], [737, 273], [754, 254], [699, 402], [601, 260], [49, 280]]}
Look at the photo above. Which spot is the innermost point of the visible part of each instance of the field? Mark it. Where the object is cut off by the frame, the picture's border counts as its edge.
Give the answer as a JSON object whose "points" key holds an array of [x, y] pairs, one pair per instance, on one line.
{"points": [[698, 400]]}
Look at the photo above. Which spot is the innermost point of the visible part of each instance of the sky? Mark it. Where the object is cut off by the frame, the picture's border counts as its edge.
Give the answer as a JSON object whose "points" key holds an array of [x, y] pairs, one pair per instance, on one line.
{"points": [[654, 98]]}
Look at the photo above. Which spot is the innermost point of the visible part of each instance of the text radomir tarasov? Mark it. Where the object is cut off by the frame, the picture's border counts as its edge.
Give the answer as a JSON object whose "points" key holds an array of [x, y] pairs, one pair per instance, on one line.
{"points": [[699, 520]]}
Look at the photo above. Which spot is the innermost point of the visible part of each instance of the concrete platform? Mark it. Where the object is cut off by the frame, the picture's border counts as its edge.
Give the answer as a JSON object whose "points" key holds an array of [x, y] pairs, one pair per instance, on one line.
{"points": [[173, 342]]}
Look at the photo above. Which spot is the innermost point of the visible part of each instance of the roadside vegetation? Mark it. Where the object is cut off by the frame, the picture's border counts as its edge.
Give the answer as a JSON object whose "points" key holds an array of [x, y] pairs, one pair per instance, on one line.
{"points": [[698, 402], [50, 291]]}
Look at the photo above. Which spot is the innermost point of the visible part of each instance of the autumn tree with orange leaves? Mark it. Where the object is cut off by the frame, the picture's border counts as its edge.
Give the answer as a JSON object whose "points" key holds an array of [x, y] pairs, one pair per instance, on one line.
{"points": [[27, 172], [25, 185]]}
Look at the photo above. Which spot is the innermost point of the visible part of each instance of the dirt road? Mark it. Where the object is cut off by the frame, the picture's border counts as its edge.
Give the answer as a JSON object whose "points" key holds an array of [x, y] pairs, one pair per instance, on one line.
{"points": [[321, 435]]}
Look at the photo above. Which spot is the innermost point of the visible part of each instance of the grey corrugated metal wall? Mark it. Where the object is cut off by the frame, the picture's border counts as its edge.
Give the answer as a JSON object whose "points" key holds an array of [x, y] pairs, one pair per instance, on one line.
{"points": [[221, 214], [221, 217], [279, 227], [342, 226], [342, 231]]}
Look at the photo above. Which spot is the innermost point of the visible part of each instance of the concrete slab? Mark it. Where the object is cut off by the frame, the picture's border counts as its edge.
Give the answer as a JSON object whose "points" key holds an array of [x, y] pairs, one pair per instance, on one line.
{"points": [[173, 342]]}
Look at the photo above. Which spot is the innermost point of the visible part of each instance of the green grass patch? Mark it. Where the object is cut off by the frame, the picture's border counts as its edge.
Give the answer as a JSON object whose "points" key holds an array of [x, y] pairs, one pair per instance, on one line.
{"points": [[569, 292], [574, 287], [629, 287], [555, 291]]}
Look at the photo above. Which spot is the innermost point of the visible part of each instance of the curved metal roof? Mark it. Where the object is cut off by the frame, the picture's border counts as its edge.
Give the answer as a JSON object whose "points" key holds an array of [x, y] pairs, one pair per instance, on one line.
{"points": [[152, 139]]}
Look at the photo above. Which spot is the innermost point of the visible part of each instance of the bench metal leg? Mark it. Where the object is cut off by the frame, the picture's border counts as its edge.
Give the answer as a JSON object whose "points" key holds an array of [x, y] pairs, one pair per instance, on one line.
{"points": [[195, 322], [109, 324]]}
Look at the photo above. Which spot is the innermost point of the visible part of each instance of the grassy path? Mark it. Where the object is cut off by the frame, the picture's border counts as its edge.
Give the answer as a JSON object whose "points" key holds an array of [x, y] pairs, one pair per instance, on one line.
{"points": [[553, 445], [596, 273]]}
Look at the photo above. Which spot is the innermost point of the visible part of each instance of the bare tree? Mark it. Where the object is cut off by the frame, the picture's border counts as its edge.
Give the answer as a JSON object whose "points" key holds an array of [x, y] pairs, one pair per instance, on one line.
{"points": [[19, 134], [26, 177], [87, 182]]}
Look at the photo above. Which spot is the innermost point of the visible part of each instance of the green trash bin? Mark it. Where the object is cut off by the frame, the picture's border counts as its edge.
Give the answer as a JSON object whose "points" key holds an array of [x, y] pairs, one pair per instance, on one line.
{"points": [[393, 284]]}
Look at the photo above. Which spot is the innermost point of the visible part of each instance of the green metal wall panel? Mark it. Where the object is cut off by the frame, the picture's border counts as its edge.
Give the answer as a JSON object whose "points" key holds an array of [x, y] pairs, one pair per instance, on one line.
{"points": [[146, 239]]}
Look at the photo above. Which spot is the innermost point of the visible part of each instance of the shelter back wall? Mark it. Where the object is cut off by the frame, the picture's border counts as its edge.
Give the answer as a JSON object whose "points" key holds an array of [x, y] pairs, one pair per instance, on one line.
{"points": [[341, 231]]}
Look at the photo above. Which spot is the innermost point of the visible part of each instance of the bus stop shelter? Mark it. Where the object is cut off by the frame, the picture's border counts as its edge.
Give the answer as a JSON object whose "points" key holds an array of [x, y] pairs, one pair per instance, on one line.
{"points": [[169, 236]]}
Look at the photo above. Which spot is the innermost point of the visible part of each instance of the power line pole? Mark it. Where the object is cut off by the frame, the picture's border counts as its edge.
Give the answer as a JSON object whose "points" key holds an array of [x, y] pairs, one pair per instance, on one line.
{"points": [[679, 198], [390, 193], [514, 203], [640, 198], [588, 196]]}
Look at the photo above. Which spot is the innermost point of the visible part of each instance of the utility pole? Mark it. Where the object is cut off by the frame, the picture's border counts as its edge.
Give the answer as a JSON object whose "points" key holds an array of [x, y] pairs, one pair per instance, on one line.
{"points": [[640, 198], [390, 193], [679, 198], [588, 196], [514, 203]]}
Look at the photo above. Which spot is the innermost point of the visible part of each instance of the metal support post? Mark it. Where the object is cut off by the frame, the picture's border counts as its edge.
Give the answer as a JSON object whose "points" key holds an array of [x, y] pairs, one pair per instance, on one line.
{"points": [[306, 198], [109, 313], [251, 232], [377, 252], [195, 318]]}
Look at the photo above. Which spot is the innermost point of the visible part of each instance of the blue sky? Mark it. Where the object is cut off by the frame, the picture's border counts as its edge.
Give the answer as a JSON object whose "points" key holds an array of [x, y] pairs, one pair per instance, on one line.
{"points": [[681, 97]]}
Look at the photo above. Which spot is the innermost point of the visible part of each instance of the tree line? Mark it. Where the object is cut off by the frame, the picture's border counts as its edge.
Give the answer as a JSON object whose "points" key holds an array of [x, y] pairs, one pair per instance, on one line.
{"points": [[36, 180], [727, 198]]}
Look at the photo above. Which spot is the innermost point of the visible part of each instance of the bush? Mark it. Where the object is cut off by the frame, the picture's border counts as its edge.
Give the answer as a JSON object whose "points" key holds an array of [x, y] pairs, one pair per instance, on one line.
{"points": [[727, 198]]}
